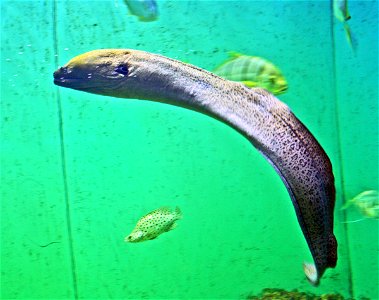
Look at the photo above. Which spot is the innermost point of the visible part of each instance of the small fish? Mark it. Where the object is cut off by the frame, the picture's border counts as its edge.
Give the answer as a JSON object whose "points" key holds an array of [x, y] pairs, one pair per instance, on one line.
{"points": [[145, 10], [154, 224], [253, 71], [341, 12], [367, 202]]}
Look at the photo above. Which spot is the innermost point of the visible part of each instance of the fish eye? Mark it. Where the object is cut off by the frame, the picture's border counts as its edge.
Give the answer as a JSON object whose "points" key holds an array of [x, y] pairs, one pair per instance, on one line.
{"points": [[122, 69]]}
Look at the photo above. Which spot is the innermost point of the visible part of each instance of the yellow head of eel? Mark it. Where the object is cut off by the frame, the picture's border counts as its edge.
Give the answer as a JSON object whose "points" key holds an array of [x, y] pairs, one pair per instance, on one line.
{"points": [[104, 72]]}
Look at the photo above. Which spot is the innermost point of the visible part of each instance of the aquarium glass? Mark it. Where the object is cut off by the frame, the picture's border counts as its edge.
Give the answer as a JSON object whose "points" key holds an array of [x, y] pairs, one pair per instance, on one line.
{"points": [[78, 170]]}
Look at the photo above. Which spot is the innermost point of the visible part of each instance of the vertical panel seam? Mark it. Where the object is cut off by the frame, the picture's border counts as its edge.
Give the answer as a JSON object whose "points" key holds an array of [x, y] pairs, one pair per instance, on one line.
{"points": [[63, 159], [339, 149]]}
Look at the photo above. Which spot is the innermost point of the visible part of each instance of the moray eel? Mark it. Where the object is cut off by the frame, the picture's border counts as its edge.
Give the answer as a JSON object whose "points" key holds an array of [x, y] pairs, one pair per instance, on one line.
{"points": [[265, 121]]}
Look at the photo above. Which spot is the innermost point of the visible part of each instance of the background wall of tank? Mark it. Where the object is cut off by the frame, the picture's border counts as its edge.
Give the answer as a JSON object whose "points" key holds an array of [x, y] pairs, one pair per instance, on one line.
{"points": [[78, 170]]}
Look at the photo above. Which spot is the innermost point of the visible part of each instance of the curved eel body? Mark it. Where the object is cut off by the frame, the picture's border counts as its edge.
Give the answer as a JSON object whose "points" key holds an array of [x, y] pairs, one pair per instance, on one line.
{"points": [[265, 121]]}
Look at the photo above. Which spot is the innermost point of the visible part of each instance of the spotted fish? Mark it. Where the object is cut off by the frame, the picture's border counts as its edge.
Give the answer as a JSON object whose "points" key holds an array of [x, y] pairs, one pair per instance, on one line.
{"points": [[253, 71], [154, 224]]}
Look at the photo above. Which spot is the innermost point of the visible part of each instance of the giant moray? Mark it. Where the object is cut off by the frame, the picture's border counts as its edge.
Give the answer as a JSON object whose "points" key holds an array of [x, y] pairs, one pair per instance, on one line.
{"points": [[265, 121]]}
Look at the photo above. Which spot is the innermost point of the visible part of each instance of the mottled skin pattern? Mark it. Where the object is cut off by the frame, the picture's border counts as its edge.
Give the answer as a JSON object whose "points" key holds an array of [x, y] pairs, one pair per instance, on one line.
{"points": [[265, 121]]}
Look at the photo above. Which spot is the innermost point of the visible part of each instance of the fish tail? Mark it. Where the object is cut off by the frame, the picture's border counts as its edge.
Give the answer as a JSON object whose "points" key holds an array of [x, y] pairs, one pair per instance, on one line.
{"points": [[178, 212], [347, 204], [314, 273], [349, 36], [311, 273]]}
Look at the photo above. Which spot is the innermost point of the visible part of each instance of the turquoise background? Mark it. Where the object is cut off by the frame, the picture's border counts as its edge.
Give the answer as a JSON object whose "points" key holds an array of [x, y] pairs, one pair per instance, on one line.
{"points": [[78, 170]]}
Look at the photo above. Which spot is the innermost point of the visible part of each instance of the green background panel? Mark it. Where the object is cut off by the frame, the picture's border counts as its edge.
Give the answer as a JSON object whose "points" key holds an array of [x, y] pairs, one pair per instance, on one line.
{"points": [[85, 184], [35, 256], [357, 99]]}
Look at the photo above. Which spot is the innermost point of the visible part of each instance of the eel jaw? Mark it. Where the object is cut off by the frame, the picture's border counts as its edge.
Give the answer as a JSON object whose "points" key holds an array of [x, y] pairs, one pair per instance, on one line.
{"points": [[65, 77], [62, 78]]}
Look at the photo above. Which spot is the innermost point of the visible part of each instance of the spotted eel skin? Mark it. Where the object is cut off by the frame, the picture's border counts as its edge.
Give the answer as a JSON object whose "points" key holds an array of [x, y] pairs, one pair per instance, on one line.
{"points": [[265, 121]]}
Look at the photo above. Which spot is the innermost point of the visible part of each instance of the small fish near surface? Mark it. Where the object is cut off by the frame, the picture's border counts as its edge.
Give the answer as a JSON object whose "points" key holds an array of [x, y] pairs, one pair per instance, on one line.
{"points": [[367, 202], [341, 12], [253, 71], [154, 224], [145, 10]]}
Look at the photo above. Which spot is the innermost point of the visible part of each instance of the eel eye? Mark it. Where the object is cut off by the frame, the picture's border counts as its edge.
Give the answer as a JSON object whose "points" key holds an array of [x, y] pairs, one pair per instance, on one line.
{"points": [[122, 69]]}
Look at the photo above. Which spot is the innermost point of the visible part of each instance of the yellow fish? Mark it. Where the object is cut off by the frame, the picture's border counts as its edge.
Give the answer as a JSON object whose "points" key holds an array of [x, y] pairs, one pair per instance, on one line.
{"points": [[367, 202], [154, 224], [253, 71]]}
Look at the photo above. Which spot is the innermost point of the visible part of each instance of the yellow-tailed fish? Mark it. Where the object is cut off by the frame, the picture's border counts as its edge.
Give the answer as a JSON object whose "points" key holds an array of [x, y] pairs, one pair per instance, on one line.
{"points": [[145, 10], [367, 202], [154, 224], [341, 12], [253, 71]]}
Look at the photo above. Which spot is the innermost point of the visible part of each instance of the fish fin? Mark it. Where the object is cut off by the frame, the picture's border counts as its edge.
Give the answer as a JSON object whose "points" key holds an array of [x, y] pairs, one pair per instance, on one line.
{"points": [[234, 54], [165, 209], [173, 226], [249, 83], [311, 273], [178, 212], [355, 221], [347, 204], [367, 194]]}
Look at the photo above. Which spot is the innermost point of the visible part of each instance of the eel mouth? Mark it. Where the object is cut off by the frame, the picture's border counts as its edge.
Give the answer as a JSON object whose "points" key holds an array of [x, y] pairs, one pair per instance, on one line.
{"points": [[67, 82], [77, 83], [61, 78], [65, 78]]}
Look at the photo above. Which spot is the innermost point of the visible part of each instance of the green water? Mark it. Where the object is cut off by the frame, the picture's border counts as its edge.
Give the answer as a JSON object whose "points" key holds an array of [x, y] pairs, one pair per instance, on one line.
{"points": [[78, 170]]}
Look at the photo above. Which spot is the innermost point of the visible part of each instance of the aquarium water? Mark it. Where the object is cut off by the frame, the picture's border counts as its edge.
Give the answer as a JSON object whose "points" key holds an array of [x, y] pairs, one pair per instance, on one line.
{"points": [[79, 170]]}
